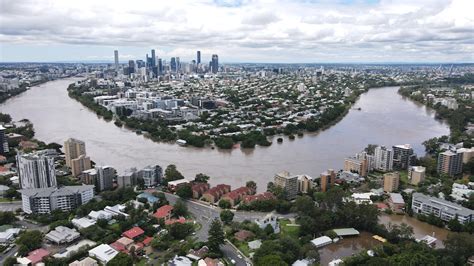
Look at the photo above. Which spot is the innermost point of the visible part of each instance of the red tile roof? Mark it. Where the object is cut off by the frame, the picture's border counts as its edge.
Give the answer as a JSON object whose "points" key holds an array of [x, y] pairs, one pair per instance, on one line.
{"points": [[181, 220], [163, 211], [147, 240], [262, 196], [134, 232], [36, 256]]}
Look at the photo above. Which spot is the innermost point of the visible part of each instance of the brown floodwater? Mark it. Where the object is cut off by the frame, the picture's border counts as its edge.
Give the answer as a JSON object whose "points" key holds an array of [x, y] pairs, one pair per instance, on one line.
{"points": [[385, 118], [420, 229], [347, 247]]}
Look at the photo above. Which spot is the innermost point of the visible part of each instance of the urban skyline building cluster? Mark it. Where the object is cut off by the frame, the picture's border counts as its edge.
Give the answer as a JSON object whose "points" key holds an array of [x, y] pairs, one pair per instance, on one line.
{"points": [[154, 66]]}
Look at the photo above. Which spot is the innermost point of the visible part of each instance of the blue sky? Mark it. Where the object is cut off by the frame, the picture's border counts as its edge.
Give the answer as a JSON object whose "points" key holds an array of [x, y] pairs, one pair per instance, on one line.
{"points": [[239, 30]]}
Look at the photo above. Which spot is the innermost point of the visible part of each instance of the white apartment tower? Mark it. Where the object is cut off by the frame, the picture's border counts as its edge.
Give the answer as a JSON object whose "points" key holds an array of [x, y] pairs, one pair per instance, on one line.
{"points": [[36, 170], [383, 159]]}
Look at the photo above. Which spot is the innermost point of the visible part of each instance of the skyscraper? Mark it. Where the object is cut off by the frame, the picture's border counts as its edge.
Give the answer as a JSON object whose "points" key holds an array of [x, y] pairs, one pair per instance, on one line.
{"points": [[160, 66], [214, 64], [73, 148], [131, 66], [153, 58], [173, 64], [116, 60], [36, 170], [198, 57], [178, 64]]}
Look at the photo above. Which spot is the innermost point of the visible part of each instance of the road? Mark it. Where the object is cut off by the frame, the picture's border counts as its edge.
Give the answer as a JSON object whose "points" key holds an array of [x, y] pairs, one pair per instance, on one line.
{"points": [[28, 226], [10, 206]]}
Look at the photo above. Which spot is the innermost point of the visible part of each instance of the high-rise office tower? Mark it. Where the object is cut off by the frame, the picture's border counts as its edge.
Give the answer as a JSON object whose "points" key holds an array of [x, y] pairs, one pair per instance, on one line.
{"points": [[450, 163], [160, 66], [383, 158], [153, 58], [178, 64], [403, 156], [173, 64], [198, 57], [116, 60], [3, 141], [214, 64], [36, 170], [131, 66], [73, 148]]}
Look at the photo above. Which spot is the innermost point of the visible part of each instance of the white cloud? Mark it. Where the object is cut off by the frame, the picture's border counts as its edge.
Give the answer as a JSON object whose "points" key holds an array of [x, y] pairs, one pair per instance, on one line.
{"points": [[250, 30]]}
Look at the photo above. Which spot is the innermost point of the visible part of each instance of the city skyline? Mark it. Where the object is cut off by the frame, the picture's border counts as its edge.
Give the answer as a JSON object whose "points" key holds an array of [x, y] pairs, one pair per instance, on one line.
{"points": [[239, 31]]}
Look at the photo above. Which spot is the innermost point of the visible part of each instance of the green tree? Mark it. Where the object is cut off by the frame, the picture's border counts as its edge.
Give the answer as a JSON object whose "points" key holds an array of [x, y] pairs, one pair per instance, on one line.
{"points": [[172, 173], [454, 225], [10, 261], [29, 240], [7, 217], [180, 208], [273, 260], [252, 185], [185, 192], [201, 178], [460, 246], [180, 231], [224, 204], [216, 236], [226, 216]]}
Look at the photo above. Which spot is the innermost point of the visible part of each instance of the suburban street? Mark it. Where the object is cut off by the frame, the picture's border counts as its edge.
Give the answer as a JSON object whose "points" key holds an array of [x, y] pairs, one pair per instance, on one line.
{"points": [[204, 214]]}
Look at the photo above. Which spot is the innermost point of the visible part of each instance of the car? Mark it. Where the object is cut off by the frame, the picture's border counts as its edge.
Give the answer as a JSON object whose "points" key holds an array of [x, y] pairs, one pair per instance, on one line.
{"points": [[233, 261], [240, 256]]}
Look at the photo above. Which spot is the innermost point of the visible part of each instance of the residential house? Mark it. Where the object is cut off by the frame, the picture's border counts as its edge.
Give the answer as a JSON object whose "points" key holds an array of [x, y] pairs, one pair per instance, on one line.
{"points": [[215, 193]]}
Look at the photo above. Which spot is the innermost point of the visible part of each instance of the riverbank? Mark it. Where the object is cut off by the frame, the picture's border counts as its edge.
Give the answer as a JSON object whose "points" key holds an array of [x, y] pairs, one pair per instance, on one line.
{"points": [[457, 117]]}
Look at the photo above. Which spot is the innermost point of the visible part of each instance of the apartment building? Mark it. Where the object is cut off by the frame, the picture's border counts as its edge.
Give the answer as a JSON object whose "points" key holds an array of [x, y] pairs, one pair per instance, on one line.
{"points": [[445, 210], [45, 200], [450, 163], [391, 181], [328, 179], [36, 170], [288, 182]]}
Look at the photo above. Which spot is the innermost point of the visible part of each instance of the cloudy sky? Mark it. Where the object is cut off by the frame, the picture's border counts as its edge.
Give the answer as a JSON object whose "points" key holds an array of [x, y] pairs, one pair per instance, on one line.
{"points": [[239, 30]]}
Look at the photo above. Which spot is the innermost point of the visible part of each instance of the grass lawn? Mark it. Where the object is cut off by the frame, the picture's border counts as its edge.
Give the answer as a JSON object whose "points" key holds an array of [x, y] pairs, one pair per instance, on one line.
{"points": [[289, 229], [244, 247], [142, 262]]}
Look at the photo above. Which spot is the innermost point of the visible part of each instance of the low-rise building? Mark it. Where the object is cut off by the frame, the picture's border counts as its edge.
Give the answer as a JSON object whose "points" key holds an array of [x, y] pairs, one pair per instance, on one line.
{"points": [[215, 193], [133, 233], [174, 185], [396, 202], [445, 210], [164, 212], [62, 234], [236, 195], [271, 220], [81, 223], [199, 189], [71, 250], [84, 262], [9, 235], [104, 253]]}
